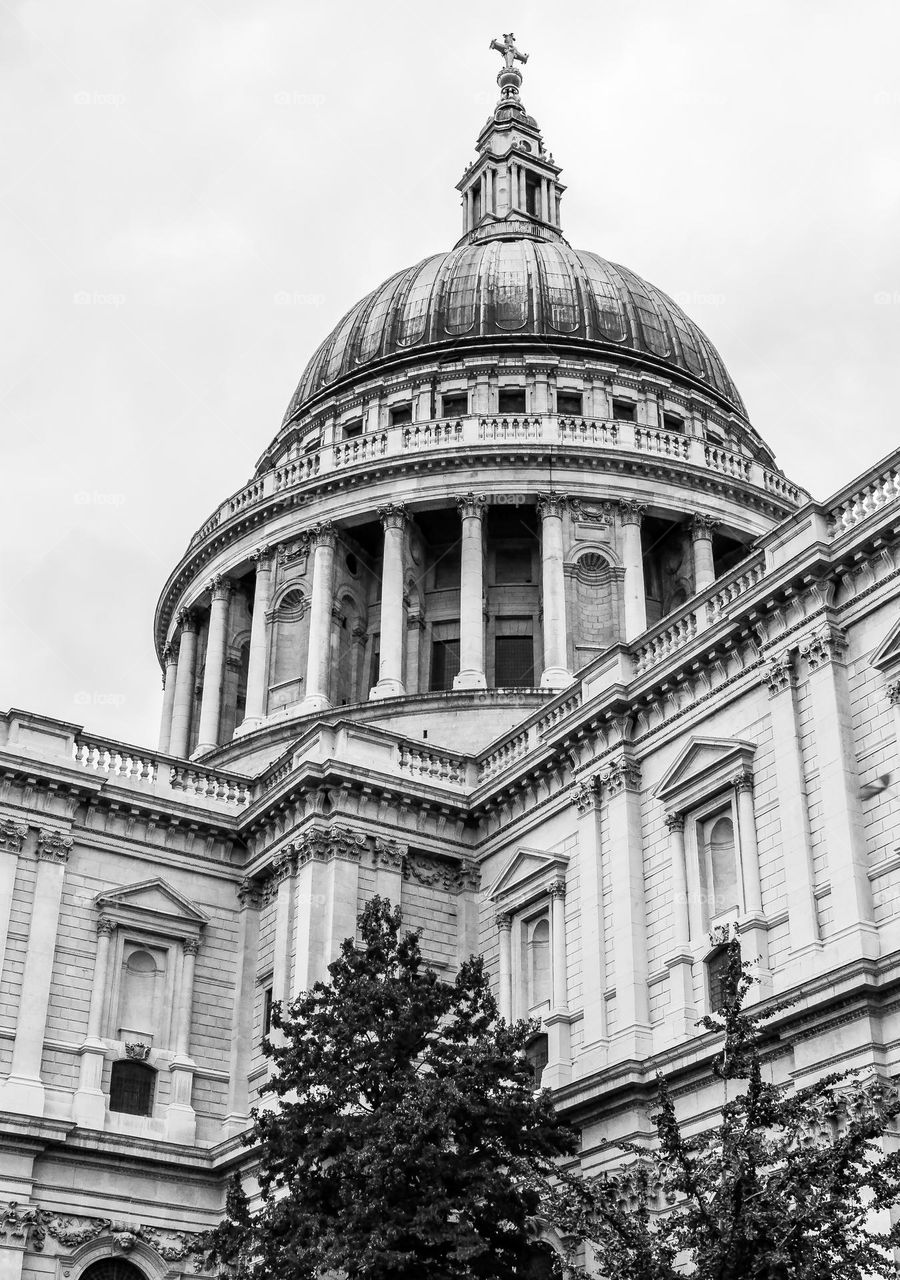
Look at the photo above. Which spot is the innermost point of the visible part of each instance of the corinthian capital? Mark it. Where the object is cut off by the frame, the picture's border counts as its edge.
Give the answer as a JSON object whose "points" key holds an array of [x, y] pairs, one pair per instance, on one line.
{"points": [[12, 834], [394, 515], [631, 512], [220, 586], [703, 527], [826, 645], [187, 620], [323, 534], [53, 846], [471, 505], [552, 504]]}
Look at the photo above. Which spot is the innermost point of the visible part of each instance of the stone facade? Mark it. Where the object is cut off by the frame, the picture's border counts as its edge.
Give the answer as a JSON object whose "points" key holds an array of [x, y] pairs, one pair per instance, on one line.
{"points": [[581, 691]]}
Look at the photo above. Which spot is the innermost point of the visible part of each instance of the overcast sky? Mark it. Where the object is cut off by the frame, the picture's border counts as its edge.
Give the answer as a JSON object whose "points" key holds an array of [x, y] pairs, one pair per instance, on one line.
{"points": [[192, 194]]}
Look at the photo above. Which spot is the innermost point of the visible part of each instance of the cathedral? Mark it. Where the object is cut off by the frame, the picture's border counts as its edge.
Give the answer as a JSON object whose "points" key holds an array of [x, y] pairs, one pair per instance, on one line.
{"points": [[519, 624]]}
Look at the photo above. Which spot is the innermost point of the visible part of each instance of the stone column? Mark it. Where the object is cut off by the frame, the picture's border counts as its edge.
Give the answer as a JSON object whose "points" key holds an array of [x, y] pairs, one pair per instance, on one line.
{"points": [[322, 540], [630, 516], [23, 1089], [471, 595], [504, 931], [621, 786], [11, 836], [170, 662], [359, 637], [258, 665], [89, 1105], [238, 1104], [545, 203], [181, 1120], [587, 800], [559, 1042], [556, 673], [214, 667], [681, 1014], [701, 538], [793, 815], [183, 706], [390, 668], [854, 932]]}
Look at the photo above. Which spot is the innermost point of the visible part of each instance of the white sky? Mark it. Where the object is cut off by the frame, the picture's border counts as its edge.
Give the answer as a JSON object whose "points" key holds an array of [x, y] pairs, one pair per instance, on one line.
{"points": [[170, 169]]}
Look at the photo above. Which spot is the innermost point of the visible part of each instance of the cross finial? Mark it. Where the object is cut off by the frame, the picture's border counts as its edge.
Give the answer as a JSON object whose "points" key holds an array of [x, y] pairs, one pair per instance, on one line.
{"points": [[508, 49]]}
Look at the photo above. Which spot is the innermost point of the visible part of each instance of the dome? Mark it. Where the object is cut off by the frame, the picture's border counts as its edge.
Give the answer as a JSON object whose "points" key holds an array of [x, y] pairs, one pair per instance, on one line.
{"points": [[513, 289]]}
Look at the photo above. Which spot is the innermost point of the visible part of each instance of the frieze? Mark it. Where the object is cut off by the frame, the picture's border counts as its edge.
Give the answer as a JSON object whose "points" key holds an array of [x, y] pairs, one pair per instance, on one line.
{"points": [[435, 872], [11, 835], [388, 853], [30, 1225], [296, 549], [622, 775]]}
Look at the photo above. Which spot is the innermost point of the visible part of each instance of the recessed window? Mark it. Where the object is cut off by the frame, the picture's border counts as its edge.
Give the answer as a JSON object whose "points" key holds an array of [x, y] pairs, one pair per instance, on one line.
{"points": [[353, 429], [539, 963], [624, 410], [400, 413], [537, 1052], [514, 662], [672, 422], [512, 564], [532, 196], [312, 445], [446, 566], [444, 663], [476, 202], [352, 564], [131, 1087], [570, 403], [511, 400], [717, 979], [268, 1001], [718, 865], [714, 437], [455, 405]]}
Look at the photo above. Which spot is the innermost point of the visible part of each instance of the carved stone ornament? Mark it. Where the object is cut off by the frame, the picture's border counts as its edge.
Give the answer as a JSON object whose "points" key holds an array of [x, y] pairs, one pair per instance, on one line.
{"points": [[394, 515], [434, 872], [323, 534], [220, 586], [324, 844], [719, 935], [558, 889], [30, 1225], [743, 780], [631, 512], [471, 505], [106, 927], [53, 846], [170, 654], [503, 921], [674, 821], [552, 504], [190, 946], [249, 892], [12, 834], [586, 795], [622, 775], [703, 527], [387, 853], [295, 550], [778, 673], [138, 1051], [261, 557], [893, 692], [187, 620], [826, 645]]}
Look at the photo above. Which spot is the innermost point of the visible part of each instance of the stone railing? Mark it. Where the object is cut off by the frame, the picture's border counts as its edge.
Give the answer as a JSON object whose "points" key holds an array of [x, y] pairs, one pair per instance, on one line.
{"points": [[663, 643], [742, 579], [881, 488], [545, 723], [505, 754], [439, 766], [476, 431], [134, 767]]}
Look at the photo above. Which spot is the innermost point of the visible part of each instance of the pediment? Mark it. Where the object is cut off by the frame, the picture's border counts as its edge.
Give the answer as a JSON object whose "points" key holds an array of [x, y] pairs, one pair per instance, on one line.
{"points": [[700, 767], [888, 652], [528, 873], [153, 902]]}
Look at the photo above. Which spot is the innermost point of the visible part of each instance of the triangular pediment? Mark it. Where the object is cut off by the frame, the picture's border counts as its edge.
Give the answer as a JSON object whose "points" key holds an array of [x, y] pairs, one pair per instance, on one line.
{"points": [[888, 652], [152, 899], [701, 765], [529, 871]]}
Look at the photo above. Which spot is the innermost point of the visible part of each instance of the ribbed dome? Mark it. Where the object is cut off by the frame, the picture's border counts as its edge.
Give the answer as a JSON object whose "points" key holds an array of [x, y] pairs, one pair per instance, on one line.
{"points": [[509, 289]]}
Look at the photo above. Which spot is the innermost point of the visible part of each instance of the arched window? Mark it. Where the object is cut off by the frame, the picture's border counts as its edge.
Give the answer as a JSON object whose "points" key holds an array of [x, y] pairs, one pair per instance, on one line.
{"points": [[539, 963], [137, 1015], [112, 1269], [718, 866], [131, 1088]]}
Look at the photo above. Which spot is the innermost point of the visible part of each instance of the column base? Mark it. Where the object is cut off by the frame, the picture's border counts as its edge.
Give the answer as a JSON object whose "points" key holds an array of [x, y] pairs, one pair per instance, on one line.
{"points": [[22, 1094], [556, 678], [472, 679], [314, 702], [248, 724], [387, 689], [203, 749]]}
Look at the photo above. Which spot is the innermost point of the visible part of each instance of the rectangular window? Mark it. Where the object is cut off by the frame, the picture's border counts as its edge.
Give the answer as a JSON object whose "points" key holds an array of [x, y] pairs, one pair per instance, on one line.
{"points": [[713, 437], [476, 203], [532, 197], [513, 662], [717, 979], [624, 410], [511, 400], [447, 568], [455, 405], [672, 422], [444, 663], [512, 564], [400, 413], [312, 445], [352, 429], [570, 403], [267, 1011]]}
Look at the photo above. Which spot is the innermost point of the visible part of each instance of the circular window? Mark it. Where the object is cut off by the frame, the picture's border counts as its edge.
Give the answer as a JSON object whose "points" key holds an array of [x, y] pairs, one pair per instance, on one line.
{"points": [[113, 1269], [352, 564]]}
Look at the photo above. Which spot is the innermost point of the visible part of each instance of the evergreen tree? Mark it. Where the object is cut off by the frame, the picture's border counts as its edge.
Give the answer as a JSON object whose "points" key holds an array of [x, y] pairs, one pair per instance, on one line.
{"points": [[408, 1139], [783, 1188]]}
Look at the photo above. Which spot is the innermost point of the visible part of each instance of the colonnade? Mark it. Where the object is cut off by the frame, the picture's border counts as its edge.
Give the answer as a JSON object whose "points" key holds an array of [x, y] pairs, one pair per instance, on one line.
{"points": [[181, 656]]}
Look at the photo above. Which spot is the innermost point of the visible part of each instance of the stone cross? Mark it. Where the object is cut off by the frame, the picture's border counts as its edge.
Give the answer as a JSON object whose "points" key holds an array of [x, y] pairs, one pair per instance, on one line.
{"points": [[508, 49]]}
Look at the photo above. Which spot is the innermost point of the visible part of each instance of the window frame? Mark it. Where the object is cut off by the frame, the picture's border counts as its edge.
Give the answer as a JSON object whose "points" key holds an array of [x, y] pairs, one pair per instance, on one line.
{"points": [[722, 803]]}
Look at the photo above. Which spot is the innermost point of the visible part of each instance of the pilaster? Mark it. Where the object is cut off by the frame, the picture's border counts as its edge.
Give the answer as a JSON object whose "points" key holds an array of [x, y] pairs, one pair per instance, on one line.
{"points": [[587, 801]]}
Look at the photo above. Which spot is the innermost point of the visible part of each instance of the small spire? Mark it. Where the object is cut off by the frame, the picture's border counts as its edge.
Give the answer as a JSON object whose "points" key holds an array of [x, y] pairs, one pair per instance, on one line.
{"points": [[510, 78]]}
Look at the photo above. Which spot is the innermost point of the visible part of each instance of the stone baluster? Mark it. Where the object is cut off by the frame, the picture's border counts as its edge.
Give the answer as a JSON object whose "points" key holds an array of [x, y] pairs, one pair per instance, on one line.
{"points": [[556, 673], [390, 665], [631, 514], [170, 664], [702, 528], [214, 666], [471, 597], [183, 706], [258, 665], [89, 1104], [23, 1089], [322, 540]]}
